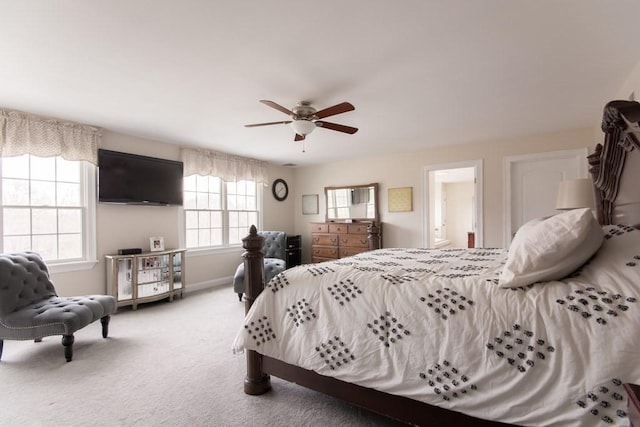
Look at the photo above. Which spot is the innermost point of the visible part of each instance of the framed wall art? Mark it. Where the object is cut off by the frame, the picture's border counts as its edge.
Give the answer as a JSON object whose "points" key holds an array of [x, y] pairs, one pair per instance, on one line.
{"points": [[309, 204], [401, 199]]}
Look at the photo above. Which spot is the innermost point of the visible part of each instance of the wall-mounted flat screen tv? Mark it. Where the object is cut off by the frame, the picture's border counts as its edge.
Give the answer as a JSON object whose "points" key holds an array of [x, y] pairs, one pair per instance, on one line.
{"points": [[138, 180]]}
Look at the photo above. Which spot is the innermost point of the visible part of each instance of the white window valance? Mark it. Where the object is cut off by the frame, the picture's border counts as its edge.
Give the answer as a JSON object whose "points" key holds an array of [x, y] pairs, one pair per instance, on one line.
{"points": [[225, 166], [22, 133]]}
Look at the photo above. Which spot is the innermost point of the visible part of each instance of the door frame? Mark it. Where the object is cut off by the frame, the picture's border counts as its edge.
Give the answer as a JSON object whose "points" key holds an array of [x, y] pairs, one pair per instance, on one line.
{"points": [[478, 186], [578, 154]]}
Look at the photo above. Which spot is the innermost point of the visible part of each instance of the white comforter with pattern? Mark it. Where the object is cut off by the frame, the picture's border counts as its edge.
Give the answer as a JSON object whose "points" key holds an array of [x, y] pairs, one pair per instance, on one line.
{"points": [[432, 325]]}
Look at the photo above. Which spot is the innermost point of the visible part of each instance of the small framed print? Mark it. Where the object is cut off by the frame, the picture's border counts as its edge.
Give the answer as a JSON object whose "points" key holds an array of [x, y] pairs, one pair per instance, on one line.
{"points": [[309, 204], [156, 243]]}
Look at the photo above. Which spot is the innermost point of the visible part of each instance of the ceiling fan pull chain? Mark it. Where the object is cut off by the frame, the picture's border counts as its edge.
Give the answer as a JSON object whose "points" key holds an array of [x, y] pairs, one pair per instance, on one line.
{"points": [[303, 150]]}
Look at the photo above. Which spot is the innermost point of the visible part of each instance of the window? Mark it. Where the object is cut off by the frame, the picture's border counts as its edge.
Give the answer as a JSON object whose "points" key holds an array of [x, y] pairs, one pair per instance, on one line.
{"points": [[339, 204], [48, 207], [218, 213]]}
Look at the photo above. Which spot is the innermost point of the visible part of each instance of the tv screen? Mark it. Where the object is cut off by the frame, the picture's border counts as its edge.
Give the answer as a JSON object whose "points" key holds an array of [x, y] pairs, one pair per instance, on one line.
{"points": [[138, 180]]}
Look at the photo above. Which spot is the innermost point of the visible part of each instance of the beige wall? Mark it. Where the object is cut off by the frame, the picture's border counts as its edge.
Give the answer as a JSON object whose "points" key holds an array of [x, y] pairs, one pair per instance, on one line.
{"points": [[631, 85], [123, 226], [405, 229]]}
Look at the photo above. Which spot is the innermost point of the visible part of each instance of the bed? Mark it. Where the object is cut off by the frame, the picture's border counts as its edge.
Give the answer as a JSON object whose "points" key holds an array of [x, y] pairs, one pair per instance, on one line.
{"points": [[541, 334]]}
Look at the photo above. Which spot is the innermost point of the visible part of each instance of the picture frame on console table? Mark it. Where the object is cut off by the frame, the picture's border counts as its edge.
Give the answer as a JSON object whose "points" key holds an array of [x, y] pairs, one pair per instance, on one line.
{"points": [[156, 244]]}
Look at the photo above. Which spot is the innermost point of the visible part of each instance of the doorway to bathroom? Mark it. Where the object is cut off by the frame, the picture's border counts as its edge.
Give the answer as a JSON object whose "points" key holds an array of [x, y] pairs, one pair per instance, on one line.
{"points": [[453, 205]]}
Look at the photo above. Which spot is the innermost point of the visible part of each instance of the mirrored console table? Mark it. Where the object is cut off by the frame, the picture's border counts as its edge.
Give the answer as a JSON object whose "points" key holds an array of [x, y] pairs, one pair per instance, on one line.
{"points": [[146, 277]]}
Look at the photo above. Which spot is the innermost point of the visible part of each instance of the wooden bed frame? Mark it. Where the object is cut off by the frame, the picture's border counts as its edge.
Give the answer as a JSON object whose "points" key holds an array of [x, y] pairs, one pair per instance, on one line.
{"points": [[617, 200]]}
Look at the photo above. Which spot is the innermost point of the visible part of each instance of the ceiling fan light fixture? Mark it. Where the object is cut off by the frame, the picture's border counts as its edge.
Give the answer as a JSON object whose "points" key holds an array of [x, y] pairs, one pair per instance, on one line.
{"points": [[303, 127]]}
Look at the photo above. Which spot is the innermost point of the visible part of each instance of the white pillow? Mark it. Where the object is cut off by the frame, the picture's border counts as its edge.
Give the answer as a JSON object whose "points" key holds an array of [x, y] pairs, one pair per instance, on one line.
{"points": [[551, 248]]}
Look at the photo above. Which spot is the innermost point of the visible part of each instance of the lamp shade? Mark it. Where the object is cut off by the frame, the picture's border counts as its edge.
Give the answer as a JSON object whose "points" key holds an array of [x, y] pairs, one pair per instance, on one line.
{"points": [[575, 194], [303, 127]]}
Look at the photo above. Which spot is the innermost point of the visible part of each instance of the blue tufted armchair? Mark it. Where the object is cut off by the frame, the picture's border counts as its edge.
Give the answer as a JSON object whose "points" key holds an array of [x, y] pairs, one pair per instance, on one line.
{"points": [[31, 309], [274, 249]]}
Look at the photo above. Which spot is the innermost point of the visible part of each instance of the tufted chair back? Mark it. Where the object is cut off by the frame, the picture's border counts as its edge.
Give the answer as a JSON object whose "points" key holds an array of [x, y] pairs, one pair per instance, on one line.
{"points": [[274, 249], [275, 244], [24, 280]]}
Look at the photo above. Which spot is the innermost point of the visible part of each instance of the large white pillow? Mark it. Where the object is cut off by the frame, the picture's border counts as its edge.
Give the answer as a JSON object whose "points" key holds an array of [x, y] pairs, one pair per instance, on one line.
{"points": [[551, 248]]}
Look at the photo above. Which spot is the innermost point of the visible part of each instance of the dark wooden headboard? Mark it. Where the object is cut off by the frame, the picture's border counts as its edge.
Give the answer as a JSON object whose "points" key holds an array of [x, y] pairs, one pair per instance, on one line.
{"points": [[615, 165]]}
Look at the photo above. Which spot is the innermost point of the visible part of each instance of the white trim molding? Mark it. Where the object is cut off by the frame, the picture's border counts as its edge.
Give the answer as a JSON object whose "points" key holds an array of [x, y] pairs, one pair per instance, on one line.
{"points": [[478, 191]]}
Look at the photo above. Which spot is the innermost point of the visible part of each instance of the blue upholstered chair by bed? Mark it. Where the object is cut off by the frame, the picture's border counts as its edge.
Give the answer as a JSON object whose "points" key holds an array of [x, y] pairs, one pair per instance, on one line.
{"points": [[274, 249], [31, 309]]}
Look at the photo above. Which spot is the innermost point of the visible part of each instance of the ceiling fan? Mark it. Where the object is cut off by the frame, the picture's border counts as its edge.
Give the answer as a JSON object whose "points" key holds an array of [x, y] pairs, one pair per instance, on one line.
{"points": [[305, 118]]}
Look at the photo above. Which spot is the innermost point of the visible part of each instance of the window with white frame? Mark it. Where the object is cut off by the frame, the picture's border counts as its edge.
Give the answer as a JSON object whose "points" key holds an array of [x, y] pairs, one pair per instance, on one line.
{"points": [[338, 205], [47, 206], [218, 213]]}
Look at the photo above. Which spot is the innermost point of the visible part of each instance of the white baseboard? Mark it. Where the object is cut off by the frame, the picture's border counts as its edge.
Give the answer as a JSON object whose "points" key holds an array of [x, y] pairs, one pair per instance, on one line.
{"points": [[194, 287]]}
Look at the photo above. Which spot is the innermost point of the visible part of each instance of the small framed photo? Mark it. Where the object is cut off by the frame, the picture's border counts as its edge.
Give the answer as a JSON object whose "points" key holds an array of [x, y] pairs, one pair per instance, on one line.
{"points": [[309, 204], [156, 243]]}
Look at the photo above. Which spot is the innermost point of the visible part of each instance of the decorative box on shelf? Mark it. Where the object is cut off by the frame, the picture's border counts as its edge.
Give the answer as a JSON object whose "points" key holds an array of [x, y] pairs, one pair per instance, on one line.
{"points": [[138, 278]]}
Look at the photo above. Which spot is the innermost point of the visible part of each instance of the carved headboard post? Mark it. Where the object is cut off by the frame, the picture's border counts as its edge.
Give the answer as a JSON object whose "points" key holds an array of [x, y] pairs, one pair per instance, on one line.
{"points": [[594, 160], [621, 126]]}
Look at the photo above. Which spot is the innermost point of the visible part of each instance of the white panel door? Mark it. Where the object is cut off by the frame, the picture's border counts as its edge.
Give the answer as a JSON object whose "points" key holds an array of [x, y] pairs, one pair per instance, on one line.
{"points": [[531, 185]]}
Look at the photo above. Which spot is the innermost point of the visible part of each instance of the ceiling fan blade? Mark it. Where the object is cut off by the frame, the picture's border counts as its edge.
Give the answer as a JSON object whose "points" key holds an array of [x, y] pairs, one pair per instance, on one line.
{"points": [[298, 137], [286, 122], [336, 109], [335, 126], [277, 107]]}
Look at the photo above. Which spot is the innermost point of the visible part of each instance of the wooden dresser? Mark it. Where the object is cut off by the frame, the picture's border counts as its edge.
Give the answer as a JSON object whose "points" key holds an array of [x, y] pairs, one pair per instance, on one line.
{"points": [[333, 240]]}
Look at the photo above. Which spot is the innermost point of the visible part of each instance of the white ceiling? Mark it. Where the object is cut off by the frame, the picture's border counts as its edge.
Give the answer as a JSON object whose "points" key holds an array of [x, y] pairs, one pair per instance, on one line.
{"points": [[420, 73]]}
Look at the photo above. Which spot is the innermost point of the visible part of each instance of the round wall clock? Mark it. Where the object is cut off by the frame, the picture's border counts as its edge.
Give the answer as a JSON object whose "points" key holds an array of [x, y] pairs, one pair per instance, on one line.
{"points": [[280, 189]]}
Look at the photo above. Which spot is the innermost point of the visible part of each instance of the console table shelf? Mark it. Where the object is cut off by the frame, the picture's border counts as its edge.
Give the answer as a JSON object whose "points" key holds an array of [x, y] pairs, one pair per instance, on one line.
{"points": [[146, 277]]}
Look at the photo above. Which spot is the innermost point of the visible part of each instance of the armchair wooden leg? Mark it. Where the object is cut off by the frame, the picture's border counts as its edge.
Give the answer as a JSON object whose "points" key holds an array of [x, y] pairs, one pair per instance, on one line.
{"points": [[105, 325], [67, 342], [1, 346], [240, 296]]}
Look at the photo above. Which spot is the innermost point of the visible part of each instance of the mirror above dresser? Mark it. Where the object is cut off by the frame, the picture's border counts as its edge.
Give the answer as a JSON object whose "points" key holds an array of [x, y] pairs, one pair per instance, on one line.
{"points": [[352, 203]]}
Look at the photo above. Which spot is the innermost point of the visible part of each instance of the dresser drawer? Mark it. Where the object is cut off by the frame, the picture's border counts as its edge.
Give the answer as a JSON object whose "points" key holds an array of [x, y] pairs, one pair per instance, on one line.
{"points": [[294, 242], [324, 252], [338, 228], [355, 240], [358, 228], [344, 252], [319, 228], [324, 239], [334, 240]]}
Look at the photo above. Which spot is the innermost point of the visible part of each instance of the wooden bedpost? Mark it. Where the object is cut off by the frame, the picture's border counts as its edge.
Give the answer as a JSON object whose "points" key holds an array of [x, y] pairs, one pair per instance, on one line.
{"points": [[373, 234], [256, 381]]}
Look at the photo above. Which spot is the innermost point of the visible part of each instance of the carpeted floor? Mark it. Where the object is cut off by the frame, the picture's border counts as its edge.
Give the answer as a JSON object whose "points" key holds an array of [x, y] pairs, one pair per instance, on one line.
{"points": [[164, 364]]}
